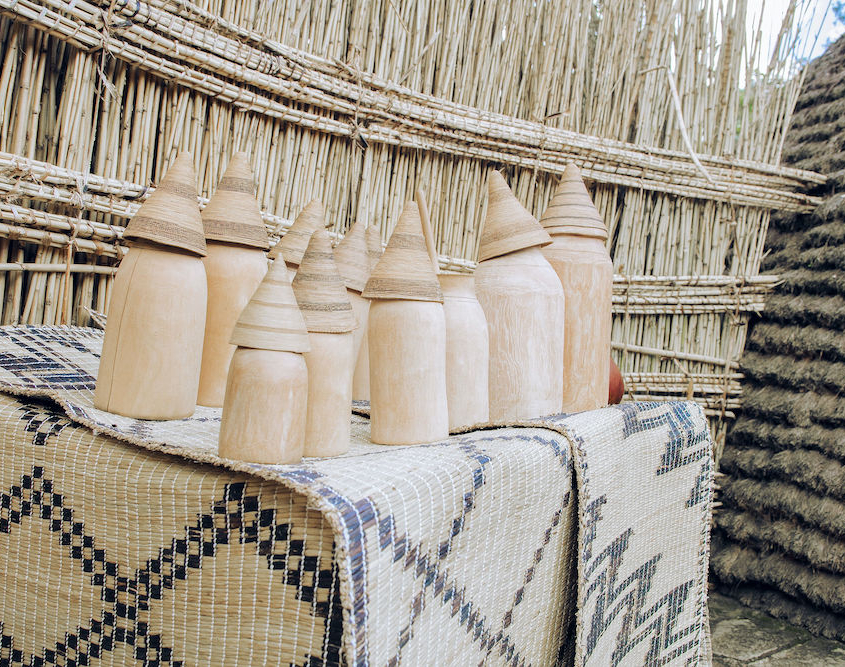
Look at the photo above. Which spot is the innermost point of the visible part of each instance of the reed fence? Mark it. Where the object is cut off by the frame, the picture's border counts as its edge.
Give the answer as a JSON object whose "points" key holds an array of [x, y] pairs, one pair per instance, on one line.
{"points": [[660, 103]]}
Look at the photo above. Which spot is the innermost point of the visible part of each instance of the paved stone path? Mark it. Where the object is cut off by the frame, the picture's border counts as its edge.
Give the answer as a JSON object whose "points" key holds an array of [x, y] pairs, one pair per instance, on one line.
{"points": [[744, 636]]}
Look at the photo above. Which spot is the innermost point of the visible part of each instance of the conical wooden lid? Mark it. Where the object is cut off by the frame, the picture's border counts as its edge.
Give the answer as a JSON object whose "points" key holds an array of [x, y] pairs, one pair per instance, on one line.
{"points": [[293, 244], [232, 215], [508, 227], [319, 289], [170, 215], [405, 271], [271, 319], [351, 258], [374, 248], [571, 211]]}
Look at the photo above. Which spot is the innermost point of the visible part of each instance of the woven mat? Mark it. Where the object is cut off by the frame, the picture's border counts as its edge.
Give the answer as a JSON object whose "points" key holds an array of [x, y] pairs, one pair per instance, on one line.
{"points": [[458, 552]]}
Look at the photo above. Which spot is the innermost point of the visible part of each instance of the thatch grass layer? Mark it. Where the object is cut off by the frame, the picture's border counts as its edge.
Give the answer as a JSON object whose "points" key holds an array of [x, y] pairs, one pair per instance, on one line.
{"points": [[795, 539], [751, 431], [784, 500], [764, 368], [798, 341], [806, 468], [772, 601], [735, 564]]}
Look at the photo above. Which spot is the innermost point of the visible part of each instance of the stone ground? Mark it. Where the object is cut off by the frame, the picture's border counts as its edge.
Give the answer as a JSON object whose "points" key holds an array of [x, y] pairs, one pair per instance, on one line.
{"points": [[744, 636]]}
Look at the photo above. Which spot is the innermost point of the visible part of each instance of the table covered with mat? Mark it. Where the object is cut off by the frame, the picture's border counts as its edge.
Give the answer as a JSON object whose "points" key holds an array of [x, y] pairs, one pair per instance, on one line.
{"points": [[572, 539]]}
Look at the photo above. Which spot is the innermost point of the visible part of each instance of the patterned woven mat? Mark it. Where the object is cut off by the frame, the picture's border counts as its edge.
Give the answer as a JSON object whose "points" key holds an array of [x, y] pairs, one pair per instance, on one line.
{"points": [[458, 552]]}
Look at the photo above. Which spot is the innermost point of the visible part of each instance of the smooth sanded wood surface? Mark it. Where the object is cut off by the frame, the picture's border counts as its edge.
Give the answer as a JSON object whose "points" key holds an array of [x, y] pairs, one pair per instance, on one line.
{"points": [[150, 365]]}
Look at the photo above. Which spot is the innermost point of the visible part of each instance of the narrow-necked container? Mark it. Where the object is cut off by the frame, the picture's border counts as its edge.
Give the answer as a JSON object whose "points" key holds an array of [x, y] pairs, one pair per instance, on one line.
{"points": [[578, 254], [236, 261], [523, 302], [407, 341], [330, 320], [150, 364]]}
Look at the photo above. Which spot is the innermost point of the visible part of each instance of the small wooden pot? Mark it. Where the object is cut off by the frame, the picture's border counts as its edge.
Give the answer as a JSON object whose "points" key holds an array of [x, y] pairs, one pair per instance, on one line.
{"points": [[233, 273], [467, 352], [407, 346], [524, 304], [361, 376], [265, 408], [583, 265], [150, 364], [330, 364]]}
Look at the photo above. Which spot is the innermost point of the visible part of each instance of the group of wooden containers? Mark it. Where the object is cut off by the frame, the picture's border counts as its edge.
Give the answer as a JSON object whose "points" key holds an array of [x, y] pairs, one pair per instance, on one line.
{"points": [[199, 315]]}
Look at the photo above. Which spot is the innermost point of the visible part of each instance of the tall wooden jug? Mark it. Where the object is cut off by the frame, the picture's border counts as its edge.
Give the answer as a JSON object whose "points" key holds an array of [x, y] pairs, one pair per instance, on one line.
{"points": [[407, 341], [523, 301], [264, 411], [150, 364], [579, 256], [330, 320], [236, 241]]}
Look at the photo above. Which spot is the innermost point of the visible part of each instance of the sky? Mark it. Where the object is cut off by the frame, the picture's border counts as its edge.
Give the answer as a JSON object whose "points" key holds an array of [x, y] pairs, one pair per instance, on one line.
{"points": [[818, 19]]}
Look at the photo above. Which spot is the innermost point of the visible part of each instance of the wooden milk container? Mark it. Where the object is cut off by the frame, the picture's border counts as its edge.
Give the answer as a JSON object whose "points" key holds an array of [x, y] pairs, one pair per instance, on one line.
{"points": [[580, 258], [361, 378], [467, 339], [264, 410], [150, 364], [407, 341], [350, 257], [467, 352], [234, 266], [523, 301], [330, 320]]}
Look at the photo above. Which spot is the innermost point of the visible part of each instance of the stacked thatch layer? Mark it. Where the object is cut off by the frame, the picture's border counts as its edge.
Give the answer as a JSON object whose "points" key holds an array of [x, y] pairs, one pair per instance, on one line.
{"points": [[779, 542]]}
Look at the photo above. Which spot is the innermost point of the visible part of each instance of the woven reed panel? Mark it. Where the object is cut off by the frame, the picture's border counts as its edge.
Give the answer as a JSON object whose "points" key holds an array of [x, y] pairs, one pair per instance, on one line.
{"points": [[113, 555]]}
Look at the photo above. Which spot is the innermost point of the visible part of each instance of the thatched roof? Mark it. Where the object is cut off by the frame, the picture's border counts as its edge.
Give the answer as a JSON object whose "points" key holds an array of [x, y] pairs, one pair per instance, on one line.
{"points": [[779, 540]]}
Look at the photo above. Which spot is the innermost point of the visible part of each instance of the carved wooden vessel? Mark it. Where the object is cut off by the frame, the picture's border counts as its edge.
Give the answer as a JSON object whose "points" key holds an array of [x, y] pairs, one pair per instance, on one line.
{"points": [[407, 341], [579, 256], [150, 364], [523, 301], [235, 263]]}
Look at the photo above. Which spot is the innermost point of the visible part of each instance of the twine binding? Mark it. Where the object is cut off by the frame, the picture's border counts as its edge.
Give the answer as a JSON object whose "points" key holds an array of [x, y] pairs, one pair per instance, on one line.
{"points": [[170, 216], [319, 289], [571, 210], [508, 227], [405, 271], [232, 214]]}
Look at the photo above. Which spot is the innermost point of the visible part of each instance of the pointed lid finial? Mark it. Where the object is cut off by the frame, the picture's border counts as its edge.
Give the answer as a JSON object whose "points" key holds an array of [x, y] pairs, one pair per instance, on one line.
{"points": [[319, 289], [271, 319], [232, 214], [350, 255], [171, 215], [292, 245], [404, 271], [374, 247], [571, 211], [430, 246], [508, 227]]}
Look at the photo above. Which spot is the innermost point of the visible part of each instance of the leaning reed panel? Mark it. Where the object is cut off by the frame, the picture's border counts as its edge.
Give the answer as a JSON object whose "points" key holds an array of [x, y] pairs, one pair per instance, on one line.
{"points": [[357, 105]]}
